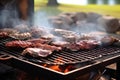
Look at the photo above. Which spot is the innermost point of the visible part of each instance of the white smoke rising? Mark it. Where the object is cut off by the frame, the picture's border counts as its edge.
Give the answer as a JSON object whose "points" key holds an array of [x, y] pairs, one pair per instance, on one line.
{"points": [[9, 15]]}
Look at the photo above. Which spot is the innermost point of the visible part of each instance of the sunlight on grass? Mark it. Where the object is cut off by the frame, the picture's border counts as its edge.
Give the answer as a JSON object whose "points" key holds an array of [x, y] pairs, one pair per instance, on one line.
{"points": [[102, 9]]}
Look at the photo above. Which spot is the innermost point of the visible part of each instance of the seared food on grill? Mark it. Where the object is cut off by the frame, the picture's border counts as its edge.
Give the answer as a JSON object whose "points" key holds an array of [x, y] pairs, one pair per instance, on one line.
{"points": [[3, 34], [69, 36], [46, 46], [22, 28], [80, 45], [108, 40], [39, 40], [109, 23], [18, 44], [27, 44], [83, 45], [25, 35], [38, 32], [88, 37], [64, 32], [88, 44], [9, 30], [36, 52], [73, 47], [48, 36], [61, 44], [71, 39]]}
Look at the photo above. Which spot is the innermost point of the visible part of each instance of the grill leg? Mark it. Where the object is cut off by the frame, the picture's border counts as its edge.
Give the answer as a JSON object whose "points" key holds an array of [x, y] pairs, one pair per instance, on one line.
{"points": [[118, 71]]}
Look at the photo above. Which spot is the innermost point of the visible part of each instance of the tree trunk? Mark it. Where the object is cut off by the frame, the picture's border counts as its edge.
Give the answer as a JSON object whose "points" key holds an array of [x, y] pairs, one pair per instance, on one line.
{"points": [[52, 3]]}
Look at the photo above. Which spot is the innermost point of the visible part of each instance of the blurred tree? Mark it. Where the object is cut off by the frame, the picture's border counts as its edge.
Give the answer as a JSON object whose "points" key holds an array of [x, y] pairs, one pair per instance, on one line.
{"points": [[105, 1], [92, 1], [117, 1], [52, 3]]}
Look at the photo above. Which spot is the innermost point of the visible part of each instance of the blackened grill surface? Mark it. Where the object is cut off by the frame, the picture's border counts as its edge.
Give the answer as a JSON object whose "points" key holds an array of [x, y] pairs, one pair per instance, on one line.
{"points": [[65, 57]]}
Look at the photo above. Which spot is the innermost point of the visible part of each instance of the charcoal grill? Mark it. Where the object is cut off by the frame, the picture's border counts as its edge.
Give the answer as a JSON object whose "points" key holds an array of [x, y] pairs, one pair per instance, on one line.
{"points": [[88, 60]]}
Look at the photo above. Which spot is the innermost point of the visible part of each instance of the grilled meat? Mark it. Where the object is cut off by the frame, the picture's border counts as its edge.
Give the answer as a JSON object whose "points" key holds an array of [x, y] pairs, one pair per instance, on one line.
{"points": [[66, 35], [36, 52], [18, 44], [109, 23], [30, 44], [80, 45], [79, 16], [38, 32], [88, 37], [46, 47], [83, 45], [73, 47], [9, 30], [3, 34], [88, 44], [70, 38], [49, 36], [64, 32], [61, 44], [21, 35], [39, 40], [22, 28], [108, 40]]}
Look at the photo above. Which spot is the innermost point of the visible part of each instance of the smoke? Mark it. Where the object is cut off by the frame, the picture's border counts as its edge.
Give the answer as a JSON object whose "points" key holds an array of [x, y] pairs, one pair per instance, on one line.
{"points": [[41, 19], [80, 22], [88, 27], [9, 15]]}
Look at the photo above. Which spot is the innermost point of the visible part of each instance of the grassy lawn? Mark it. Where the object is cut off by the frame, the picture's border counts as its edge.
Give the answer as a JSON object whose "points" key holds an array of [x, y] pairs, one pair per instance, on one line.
{"points": [[102, 9]]}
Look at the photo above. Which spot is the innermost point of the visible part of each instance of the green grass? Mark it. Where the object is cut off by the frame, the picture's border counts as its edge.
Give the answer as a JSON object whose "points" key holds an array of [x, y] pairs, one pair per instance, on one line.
{"points": [[102, 9]]}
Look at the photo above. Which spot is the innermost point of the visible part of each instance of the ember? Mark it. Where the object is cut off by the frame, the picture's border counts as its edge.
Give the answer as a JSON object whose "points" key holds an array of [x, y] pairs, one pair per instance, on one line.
{"points": [[56, 67], [60, 68]]}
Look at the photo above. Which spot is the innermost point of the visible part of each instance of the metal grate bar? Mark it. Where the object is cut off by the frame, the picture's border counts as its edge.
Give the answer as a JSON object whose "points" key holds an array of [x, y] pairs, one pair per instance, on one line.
{"points": [[67, 56]]}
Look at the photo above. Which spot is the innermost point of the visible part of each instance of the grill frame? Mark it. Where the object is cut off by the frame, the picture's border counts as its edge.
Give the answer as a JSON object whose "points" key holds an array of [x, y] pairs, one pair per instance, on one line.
{"points": [[36, 69], [67, 57], [18, 61]]}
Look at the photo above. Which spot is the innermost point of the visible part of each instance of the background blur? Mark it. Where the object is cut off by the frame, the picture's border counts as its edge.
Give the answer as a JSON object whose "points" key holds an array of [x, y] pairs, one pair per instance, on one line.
{"points": [[46, 8]]}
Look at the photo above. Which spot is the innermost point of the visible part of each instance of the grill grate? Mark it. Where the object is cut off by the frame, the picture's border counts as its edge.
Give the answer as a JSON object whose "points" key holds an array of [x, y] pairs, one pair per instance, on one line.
{"points": [[81, 56], [67, 57]]}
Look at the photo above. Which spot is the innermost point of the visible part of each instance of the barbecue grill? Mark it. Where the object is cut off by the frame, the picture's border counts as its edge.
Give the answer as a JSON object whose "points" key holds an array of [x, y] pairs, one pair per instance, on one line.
{"points": [[82, 61], [77, 62]]}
